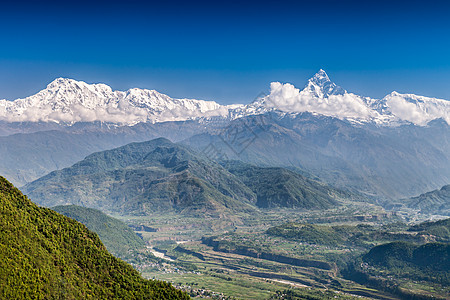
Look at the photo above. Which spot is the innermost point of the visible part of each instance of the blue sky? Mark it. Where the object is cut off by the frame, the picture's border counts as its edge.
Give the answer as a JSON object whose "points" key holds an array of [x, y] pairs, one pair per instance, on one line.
{"points": [[227, 52]]}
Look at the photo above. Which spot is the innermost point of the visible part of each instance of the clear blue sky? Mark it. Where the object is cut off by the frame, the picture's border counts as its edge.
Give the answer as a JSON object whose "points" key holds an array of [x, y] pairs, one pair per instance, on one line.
{"points": [[227, 52]]}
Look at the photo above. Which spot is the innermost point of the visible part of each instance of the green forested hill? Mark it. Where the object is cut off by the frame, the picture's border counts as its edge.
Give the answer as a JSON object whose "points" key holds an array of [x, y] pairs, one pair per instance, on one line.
{"points": [[439, 229], [141, 178], [161, 176], [44, 255], [362, 235], [279, 187], [114, 234], [432, 256]]}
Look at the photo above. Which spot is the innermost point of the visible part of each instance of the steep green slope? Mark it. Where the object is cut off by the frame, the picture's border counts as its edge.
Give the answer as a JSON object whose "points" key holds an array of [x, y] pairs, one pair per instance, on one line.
{"points": [[141, 178], [44, 255], [435, 202], [279, 187], [114, 234]]}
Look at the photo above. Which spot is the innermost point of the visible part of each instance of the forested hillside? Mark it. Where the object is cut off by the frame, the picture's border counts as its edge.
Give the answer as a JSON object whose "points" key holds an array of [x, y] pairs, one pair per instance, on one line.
{"points": [[118, 238], [44, 255]]}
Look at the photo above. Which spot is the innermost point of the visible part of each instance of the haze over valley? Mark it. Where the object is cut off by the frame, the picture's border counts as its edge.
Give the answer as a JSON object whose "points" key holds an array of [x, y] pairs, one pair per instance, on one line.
{"points": [[196, 180], [225, 150]]}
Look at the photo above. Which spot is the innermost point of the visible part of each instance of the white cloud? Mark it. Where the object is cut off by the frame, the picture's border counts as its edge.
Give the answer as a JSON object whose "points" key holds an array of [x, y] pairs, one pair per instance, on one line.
{"points": [[76, 113], [418, 110], [286, 97]]}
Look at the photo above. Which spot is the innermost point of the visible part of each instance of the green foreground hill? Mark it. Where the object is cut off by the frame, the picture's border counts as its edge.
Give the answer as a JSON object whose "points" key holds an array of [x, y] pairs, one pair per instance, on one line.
{"points": [[44, 255], [118, 238]]}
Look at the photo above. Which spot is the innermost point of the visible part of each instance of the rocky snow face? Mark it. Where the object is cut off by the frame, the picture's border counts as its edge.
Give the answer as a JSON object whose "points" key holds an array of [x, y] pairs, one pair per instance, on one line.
{"points": [[321, 86], [70, 101]]}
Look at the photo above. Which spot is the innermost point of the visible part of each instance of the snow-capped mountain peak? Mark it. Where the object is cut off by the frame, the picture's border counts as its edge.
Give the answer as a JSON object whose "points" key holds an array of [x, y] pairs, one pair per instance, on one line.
{"points": [[322, 96], [321, 86]]}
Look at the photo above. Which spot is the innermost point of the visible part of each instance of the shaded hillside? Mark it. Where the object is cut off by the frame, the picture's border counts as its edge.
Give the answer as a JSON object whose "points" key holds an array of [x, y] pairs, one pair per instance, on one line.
{"points": [[118, 238], [408, 270], [140, 178], [434, 202], [46, 255], [278, 187]]}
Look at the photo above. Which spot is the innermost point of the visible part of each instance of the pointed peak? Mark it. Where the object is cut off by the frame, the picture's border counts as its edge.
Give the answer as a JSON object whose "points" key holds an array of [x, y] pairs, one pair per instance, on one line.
{"points": [[64, 83], [320, 78], [320, 85], [60, 81], [321, 74]]}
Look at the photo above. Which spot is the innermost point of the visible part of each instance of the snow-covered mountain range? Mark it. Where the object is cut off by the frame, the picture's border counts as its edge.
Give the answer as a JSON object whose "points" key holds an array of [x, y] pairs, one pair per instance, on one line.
{"points": [[69, 101], [322, 96]]}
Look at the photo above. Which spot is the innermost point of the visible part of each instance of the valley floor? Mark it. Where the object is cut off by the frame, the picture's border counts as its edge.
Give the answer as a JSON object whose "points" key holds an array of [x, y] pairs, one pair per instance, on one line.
{"points": [[195, 264]]}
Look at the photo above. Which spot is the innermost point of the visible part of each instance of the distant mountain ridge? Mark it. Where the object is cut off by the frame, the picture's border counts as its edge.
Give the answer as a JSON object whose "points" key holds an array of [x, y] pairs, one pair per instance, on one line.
{"points": [[25, 157], [434, 202], [279, 187], [383, 162], [68, 101]]}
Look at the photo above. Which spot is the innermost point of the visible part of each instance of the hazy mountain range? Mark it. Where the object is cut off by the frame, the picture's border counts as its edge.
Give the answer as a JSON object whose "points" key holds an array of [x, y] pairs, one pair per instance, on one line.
{"points": [[389, 148], [385, 162]]}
